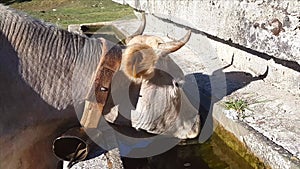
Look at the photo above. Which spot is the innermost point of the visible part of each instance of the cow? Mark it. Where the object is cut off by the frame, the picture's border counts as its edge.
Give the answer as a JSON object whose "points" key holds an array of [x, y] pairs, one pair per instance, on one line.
{"points": [[155, 81], [46, 72]]}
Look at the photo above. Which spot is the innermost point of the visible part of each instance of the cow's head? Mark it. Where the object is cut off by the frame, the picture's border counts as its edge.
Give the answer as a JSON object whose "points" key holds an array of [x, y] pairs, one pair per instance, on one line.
{"points": [[143, 51], [159, 105]]}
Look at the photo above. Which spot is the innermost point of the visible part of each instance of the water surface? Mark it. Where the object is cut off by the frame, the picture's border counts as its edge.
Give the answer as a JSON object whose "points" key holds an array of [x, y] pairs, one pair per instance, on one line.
{"points": [[213, 154]]}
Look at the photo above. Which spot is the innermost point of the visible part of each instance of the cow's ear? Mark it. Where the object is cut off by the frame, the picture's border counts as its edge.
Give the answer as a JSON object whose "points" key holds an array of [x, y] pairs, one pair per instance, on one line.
{"points": [[138, 62]]}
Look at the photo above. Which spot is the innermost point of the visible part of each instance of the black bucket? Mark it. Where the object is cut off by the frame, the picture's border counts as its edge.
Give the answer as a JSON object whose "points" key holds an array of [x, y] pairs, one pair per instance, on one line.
{"points": [[72, 146]]}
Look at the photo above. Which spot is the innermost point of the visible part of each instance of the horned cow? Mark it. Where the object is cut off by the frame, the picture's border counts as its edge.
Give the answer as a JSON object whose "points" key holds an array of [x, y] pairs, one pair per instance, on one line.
{"points": [[159, 105]]}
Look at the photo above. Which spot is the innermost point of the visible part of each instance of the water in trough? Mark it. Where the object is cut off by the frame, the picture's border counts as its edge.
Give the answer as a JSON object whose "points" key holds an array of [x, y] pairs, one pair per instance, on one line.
{"points": [[213, 154]]}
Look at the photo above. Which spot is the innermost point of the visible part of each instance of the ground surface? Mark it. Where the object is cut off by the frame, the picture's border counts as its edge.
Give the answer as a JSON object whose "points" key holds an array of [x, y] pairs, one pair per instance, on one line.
{"points": [[65, 12]]}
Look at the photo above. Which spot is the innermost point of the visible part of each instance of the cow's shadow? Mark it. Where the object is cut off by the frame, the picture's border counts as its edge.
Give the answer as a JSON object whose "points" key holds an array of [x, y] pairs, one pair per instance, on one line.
{"points": [[210, 93]]}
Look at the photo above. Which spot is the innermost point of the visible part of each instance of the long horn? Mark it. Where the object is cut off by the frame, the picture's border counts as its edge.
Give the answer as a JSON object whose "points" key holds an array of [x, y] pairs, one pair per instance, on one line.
{"points": [[139, 31], [174, 45]]}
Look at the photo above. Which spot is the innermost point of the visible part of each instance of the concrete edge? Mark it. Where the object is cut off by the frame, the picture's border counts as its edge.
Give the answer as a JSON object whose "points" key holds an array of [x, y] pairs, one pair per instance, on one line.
{"points": [[108, 160], [270, 153]]}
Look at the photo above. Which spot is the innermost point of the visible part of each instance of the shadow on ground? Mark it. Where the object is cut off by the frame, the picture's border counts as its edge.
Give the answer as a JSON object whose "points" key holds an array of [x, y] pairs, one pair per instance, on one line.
{"points": [[209, 95]]}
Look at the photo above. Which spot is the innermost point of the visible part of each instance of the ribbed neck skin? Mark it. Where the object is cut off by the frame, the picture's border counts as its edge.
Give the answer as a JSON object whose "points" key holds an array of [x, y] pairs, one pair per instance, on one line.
{"points": [[56, 64]]}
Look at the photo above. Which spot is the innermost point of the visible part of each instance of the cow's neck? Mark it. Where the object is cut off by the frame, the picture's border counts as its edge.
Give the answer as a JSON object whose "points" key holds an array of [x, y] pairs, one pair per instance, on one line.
{"points": [[56, 64]]}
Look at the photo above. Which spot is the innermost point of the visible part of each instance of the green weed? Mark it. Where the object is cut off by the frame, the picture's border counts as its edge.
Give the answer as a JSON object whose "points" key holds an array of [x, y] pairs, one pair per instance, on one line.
{"points": [[238, 105]]}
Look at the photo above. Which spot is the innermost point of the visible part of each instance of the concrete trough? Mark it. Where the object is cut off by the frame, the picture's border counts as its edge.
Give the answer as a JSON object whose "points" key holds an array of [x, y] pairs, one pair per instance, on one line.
{"points": [[269, 128]]}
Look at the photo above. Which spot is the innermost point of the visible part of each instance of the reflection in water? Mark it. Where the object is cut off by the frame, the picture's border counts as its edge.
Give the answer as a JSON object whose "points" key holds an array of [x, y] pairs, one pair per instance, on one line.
{"points": [[213, 154]]}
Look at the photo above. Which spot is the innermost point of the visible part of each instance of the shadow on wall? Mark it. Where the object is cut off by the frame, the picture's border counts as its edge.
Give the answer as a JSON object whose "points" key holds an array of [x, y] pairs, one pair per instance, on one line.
{"points": [[9, 2], [234, 80]]}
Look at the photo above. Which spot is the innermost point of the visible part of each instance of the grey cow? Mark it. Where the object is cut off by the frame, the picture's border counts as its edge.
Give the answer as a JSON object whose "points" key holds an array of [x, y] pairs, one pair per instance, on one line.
{"points": [[45, 71]]}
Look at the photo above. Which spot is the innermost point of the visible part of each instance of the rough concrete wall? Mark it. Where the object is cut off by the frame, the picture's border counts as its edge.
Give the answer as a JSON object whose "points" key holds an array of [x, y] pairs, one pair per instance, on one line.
{"points": [[281, 76], [268, 26]]}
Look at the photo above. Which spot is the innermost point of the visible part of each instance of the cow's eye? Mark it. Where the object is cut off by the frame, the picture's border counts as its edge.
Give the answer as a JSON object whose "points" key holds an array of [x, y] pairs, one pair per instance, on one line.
{"points": [[175, 83]]}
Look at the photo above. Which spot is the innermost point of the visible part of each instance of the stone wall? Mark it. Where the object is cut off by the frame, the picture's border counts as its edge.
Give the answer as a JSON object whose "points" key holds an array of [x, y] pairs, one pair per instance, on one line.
{"points": [[245, 30], [268, 26]]}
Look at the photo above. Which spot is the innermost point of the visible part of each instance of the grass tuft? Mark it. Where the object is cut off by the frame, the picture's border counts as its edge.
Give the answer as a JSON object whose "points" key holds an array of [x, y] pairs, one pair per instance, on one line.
{"points": [[238, 105]]}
